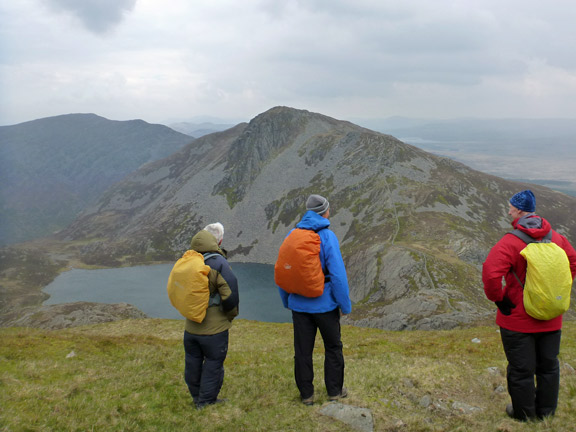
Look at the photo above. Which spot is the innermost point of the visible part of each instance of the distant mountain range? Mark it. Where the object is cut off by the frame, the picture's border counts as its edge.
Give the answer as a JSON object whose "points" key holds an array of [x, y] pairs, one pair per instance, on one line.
{"points": [[198, 130], [52, 168], [414, 227], [469, 131], [541, 151]]}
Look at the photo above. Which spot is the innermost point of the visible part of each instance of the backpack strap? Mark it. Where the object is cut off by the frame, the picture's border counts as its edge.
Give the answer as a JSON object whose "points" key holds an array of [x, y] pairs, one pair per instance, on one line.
{"points": [[210, 255], [517, 278], [215, 298], [529, 239]]}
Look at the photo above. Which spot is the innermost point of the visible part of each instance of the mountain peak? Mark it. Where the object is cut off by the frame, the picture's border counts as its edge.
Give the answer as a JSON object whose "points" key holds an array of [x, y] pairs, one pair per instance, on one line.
{"points": [[414, 228]]}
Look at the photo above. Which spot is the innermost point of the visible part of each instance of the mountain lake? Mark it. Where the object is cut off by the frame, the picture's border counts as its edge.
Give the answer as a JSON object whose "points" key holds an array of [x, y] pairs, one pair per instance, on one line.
{"points": [[145, 288]]}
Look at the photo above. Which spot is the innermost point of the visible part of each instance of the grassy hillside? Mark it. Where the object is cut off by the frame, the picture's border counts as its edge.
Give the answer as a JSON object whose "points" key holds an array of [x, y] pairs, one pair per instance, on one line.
{"points": [[127, 376], [52, 168]]}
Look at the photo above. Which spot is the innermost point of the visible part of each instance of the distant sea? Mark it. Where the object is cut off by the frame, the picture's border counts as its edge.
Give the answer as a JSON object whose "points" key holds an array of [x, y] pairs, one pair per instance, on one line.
{"points": [[145, 288]]}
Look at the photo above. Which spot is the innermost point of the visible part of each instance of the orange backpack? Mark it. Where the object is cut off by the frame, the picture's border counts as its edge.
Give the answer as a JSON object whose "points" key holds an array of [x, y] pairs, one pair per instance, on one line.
{"points": [[298, 269]]}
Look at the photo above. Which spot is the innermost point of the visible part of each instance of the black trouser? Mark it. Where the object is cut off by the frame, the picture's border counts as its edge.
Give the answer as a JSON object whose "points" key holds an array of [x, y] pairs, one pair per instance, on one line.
{"points": [[529, 355], [305, 328], [204, 365]]}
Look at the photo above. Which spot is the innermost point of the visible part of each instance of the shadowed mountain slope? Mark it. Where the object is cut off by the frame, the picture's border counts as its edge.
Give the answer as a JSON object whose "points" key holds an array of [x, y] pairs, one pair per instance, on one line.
{"points": [[414, 228], [51, 168]]}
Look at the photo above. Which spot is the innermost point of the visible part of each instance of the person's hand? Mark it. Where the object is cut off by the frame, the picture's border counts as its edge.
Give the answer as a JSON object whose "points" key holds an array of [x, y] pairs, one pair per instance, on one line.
{"points": [[505, 306]]}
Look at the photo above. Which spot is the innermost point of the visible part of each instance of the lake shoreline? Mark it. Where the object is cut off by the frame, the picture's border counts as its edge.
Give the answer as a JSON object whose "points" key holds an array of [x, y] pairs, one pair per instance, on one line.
{"points": [[144, 286]]}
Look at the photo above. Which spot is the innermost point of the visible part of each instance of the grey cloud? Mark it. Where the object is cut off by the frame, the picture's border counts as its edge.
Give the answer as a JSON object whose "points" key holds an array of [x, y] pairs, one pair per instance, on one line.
{"points": [[343, 10], [370, 67], [98, 16]]}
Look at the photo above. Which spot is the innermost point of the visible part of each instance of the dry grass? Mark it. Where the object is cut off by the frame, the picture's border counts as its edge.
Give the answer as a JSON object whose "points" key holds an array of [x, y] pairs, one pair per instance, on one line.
{"points": [[127, 376]]}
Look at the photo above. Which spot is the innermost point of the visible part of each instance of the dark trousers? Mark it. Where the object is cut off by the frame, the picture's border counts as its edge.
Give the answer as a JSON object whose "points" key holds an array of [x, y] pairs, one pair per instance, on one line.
{"points": [[204, 365], [532, 355], [305, 328]]}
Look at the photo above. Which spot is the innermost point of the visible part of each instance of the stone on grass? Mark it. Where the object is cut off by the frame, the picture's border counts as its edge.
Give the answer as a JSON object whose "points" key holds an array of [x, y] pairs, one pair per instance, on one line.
{"points": [[358, 418], [465, 408]]}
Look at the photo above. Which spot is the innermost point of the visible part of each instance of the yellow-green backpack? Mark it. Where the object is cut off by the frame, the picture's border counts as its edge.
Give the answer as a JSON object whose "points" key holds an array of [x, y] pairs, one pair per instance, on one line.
{"points": [[188, 287], [548, 278]]}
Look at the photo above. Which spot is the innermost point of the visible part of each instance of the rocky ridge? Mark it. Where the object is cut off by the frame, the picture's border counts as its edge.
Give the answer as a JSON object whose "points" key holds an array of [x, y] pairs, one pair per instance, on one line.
{"points": [[65, 315]]}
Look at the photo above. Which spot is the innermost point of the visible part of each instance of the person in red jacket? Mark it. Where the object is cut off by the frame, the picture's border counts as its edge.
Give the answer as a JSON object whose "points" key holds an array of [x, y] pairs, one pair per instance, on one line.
{"points": [[531, 346]]}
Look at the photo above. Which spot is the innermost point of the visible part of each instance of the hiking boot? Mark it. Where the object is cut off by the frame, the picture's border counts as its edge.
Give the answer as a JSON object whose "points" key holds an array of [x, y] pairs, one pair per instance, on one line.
{"points": [[510, 413], [309, 401], [342, 395], [202, 405]]}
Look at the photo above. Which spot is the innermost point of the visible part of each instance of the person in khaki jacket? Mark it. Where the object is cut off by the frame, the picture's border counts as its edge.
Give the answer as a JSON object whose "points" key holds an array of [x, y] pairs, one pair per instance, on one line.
{"points": [[206, 343]]}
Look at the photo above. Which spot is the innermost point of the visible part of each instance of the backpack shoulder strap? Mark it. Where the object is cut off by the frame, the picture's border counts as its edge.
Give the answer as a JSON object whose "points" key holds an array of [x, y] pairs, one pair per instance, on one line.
{"points": [[324, 270], [526, 239], [529, 239], [215, 296], [523, 236], [210, 255]]}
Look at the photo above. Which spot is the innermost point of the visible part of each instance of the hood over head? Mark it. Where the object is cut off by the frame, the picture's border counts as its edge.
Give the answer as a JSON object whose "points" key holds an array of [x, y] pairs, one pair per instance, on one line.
{"points": [[533, 225], [204, 242], [313, 221]]}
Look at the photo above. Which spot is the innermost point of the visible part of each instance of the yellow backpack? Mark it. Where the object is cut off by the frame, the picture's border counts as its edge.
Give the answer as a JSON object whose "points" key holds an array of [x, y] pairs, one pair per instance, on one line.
{"points": [[188, 287], [548, 278]]}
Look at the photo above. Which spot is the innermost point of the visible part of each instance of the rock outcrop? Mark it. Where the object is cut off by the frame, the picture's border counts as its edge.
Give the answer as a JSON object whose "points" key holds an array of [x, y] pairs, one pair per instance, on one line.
{"points": [[66, 315]]}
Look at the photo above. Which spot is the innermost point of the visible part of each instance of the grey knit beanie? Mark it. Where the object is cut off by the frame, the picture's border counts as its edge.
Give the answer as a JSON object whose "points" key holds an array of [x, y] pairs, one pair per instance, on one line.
{"points": [[317, 204]]}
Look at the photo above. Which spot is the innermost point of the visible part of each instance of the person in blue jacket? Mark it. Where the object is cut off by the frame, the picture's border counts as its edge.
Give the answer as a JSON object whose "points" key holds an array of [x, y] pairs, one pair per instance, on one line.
{"points": [[320, 313]]}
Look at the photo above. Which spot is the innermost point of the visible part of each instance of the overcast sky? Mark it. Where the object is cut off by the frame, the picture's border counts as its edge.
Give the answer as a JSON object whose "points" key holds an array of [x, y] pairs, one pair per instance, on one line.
{"points": [[165, 60]]}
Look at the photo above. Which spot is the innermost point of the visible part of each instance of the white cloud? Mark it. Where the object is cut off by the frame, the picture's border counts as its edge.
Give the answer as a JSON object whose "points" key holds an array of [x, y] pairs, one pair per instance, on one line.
{"points": [[368, 58]]}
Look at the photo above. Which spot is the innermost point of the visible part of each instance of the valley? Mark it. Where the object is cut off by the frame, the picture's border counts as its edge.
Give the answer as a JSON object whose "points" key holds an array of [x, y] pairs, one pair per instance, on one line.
{"points": [[414, 226]]}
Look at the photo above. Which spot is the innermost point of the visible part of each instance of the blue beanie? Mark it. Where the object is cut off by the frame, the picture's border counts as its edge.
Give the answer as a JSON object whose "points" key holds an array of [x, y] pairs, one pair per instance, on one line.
{"points": [[524, 201]]}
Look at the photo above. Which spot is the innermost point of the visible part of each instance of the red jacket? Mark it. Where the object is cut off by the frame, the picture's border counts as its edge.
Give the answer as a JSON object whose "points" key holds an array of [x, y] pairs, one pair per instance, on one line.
{"points": [[505, 257]]}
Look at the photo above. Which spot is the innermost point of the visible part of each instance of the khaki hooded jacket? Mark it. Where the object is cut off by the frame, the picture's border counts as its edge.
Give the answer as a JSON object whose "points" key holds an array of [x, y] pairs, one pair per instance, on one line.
{"points": [[222, 281]]}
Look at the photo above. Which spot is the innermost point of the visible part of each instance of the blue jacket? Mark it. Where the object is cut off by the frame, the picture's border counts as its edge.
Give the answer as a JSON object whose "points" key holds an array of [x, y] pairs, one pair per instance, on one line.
{"points": [[336, 292]]}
